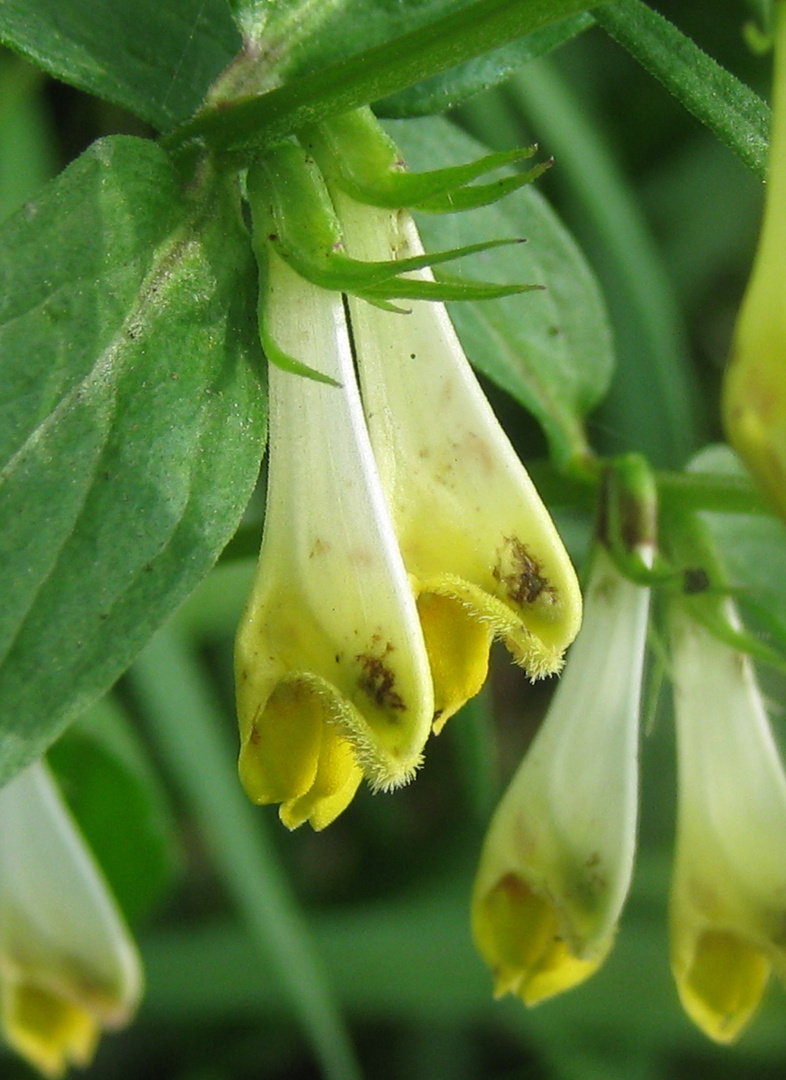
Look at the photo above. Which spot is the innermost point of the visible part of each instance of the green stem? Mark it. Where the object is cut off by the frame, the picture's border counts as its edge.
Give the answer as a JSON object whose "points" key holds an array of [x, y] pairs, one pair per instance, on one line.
{"points": [[188, 725], [683, 491]]}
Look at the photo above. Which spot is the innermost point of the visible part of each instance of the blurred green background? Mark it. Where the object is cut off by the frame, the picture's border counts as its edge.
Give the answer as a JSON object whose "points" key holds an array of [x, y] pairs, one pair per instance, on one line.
{"points": [[276, 955]]}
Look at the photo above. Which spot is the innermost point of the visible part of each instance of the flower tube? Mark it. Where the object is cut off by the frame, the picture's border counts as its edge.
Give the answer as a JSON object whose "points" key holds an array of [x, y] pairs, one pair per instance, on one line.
{"points": [[557, 860], [332, 674], [480, 546], [728, 904], [68, 967]]}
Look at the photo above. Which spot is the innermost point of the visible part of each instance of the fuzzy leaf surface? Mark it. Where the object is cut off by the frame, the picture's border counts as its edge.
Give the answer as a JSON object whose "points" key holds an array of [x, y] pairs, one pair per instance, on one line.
{"points": [[155, 59], [132, 420]]}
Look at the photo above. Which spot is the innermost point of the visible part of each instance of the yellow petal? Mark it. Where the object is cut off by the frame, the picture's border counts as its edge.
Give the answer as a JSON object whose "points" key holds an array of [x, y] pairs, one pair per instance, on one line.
{"points": [[458, 651], [518, 933], [48, 1031], [335, 783], [280, 753], [724, 984]]}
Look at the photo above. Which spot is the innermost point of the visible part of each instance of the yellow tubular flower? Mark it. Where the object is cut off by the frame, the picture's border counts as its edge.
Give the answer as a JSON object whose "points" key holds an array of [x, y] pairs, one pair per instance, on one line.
{"points": [[558, 857], [483, 553], [754, 392], [728, 905], [68, 967], [331, 669]]}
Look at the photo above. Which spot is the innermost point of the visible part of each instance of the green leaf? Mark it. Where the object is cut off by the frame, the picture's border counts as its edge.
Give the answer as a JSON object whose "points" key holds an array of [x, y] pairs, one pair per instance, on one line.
{"points": [[254, 120], [551, 350], [155, 59], [717, 98], [308, 36], [446, 91], [112, 792], [131, 423]]}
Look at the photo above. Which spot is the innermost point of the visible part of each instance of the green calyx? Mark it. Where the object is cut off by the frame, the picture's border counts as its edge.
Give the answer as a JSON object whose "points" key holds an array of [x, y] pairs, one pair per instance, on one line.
{"points": [[356, 155], [293, 214]]}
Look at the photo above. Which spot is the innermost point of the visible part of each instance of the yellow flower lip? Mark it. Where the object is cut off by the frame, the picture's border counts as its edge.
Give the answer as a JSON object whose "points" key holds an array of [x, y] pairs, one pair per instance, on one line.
{"points": [[728, 903], [68, 967], [557, 861], [519, 933], [721, 989]]}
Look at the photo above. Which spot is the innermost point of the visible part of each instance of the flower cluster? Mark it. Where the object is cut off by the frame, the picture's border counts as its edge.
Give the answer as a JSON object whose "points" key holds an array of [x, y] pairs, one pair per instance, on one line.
{"points": [[558, 857], [68, 967], [402, 532]]}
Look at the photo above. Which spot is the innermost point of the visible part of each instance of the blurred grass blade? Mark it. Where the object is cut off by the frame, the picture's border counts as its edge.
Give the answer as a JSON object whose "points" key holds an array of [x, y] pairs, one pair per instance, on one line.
{"points": [[729, 108], [189, 727]]}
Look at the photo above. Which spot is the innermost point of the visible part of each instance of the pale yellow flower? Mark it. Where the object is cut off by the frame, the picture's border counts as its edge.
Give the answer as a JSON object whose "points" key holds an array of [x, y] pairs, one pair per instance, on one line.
{"points": [[332, 674], [482, 551], [728, 906], [558, 857], [68, 967]]}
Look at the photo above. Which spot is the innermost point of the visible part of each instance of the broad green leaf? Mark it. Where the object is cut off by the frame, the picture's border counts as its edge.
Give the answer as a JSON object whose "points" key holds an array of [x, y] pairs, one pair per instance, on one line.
{"points": [[131, 423], [113, 794], [153, 57], [446, 91], [309, 35], [717, 98], [550, 349], [240, 118]]}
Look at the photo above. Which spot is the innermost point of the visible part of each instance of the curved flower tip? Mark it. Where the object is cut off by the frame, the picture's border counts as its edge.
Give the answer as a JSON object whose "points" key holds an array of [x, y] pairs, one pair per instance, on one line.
{"points": [[518, 933], [332, 674], [558, 857], [728, 905], [472, 529], [754, 391], [68, 967]]}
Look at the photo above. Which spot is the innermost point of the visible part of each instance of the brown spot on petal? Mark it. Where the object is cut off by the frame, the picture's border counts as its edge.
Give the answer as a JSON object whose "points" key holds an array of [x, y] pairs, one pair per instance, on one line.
{"points": [[520, 573], [378, 682], [319, 547]]}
